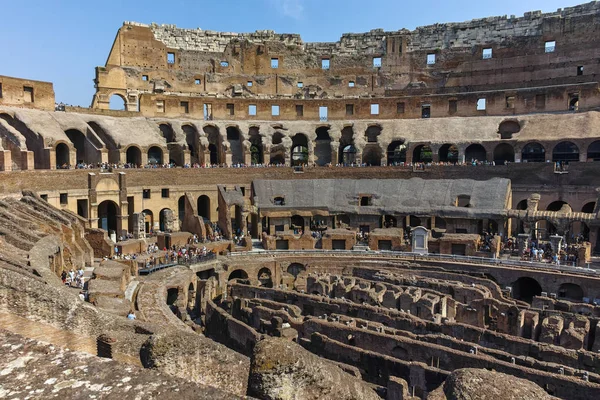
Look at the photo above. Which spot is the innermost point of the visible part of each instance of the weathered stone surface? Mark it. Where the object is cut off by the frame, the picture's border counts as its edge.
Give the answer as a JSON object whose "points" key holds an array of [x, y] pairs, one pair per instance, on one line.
{"points": [[33, 369], [197, 359], [284, 370], [481, 384]]}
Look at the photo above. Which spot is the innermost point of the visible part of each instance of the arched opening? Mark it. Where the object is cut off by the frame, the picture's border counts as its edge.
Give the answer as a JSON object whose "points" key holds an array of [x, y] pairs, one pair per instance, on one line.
{"points": [[277, 138], [593, 152], [165, 216], [277, 150], [508, 128], [155, 155], [557, 205], [297, 223], [343, 221], [323, 146], [78, 140], [372, 155], [238, 274], [204, 207], [389, 221], [296, 269], [372, 133], [589, 207], [574, 103], [533, 152], [134, 156], [299, 149], [167, 132], [172, 295], [214, 144], [347, 151], [264, 278], [396, 152], [400, 353], [234, 138], [256, 148], [422, 154], [148, 221], [570, 291], [504, 153], [181, 208], [192, 138], [117, 102], [107, 216], [349, 155], [525, 288], [62, 156], [522, 205], [475, 152], [448, 153], [565, 152]]}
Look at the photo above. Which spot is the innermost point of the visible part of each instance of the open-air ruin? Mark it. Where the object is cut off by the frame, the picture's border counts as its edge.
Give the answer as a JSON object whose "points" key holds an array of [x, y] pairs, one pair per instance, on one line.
{"points": [[396, 215]]}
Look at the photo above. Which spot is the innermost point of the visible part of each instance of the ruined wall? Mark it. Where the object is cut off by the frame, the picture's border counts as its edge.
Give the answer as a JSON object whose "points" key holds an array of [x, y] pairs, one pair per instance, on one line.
{"points": [[17, 92]]}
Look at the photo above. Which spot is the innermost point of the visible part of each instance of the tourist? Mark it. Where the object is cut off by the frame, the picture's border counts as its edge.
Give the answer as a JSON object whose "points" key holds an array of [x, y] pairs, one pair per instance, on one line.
{"points": [[131, 315]]}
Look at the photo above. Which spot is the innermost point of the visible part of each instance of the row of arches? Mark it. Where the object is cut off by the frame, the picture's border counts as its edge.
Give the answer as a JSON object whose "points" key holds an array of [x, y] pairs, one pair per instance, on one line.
{"points": [[372, 154]]}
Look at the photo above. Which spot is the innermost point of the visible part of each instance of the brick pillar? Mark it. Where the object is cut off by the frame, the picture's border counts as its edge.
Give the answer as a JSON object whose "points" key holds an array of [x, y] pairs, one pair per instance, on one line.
{"points": [[5, 160]]}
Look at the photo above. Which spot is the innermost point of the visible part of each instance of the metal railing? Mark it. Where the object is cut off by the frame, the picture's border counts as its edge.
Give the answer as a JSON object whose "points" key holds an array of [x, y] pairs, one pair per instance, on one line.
{"points": [[178, 262]]}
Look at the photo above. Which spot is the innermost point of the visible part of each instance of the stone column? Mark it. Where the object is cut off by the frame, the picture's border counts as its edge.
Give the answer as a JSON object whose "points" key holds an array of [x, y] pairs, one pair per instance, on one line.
{"points": [[51, 157], [311, 153], [27, 160], [335, 146], [5, 160], [187, 157]]}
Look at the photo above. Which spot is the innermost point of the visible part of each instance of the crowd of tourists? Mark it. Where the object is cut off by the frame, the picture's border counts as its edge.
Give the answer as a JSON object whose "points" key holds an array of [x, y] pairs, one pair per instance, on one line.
{"points": [[413, 165], [73, 278]]}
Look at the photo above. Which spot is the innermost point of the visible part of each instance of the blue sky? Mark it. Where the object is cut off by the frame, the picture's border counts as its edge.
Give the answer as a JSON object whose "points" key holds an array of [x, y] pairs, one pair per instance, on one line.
{"points": [[63, 40]]}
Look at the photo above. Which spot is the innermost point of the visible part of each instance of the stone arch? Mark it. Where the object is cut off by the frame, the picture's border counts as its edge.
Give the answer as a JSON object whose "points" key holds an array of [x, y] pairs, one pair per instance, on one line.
{"points": [[163, 219], [256, 146], [504, 153], [565, 152], [372, 155], [238, 274], [172, 296], [192, 138], [475, 152], [181, 209], [372, 133], [396, 152], [265, 278], [166, 131], [215, 145], [277, 149], [589, 207], [78, 140], [557, 205], [296, 269], [133, 155], [347, 149], [155, 155], [204, 206], [422, 153], [277, 138], [297, 222], [148, 221], [235, 139], [521, 205], [299, 149], [570, 291], [525, 288], [533, 152], [117, 102], [593, 152], [448, 153], [63, 155], [323, 146], [108, 212], [508, 128]]}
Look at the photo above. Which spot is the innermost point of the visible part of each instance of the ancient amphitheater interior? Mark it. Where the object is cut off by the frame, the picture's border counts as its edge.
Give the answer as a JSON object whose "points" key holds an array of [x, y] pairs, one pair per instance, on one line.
{"points": [[396, 215]]}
